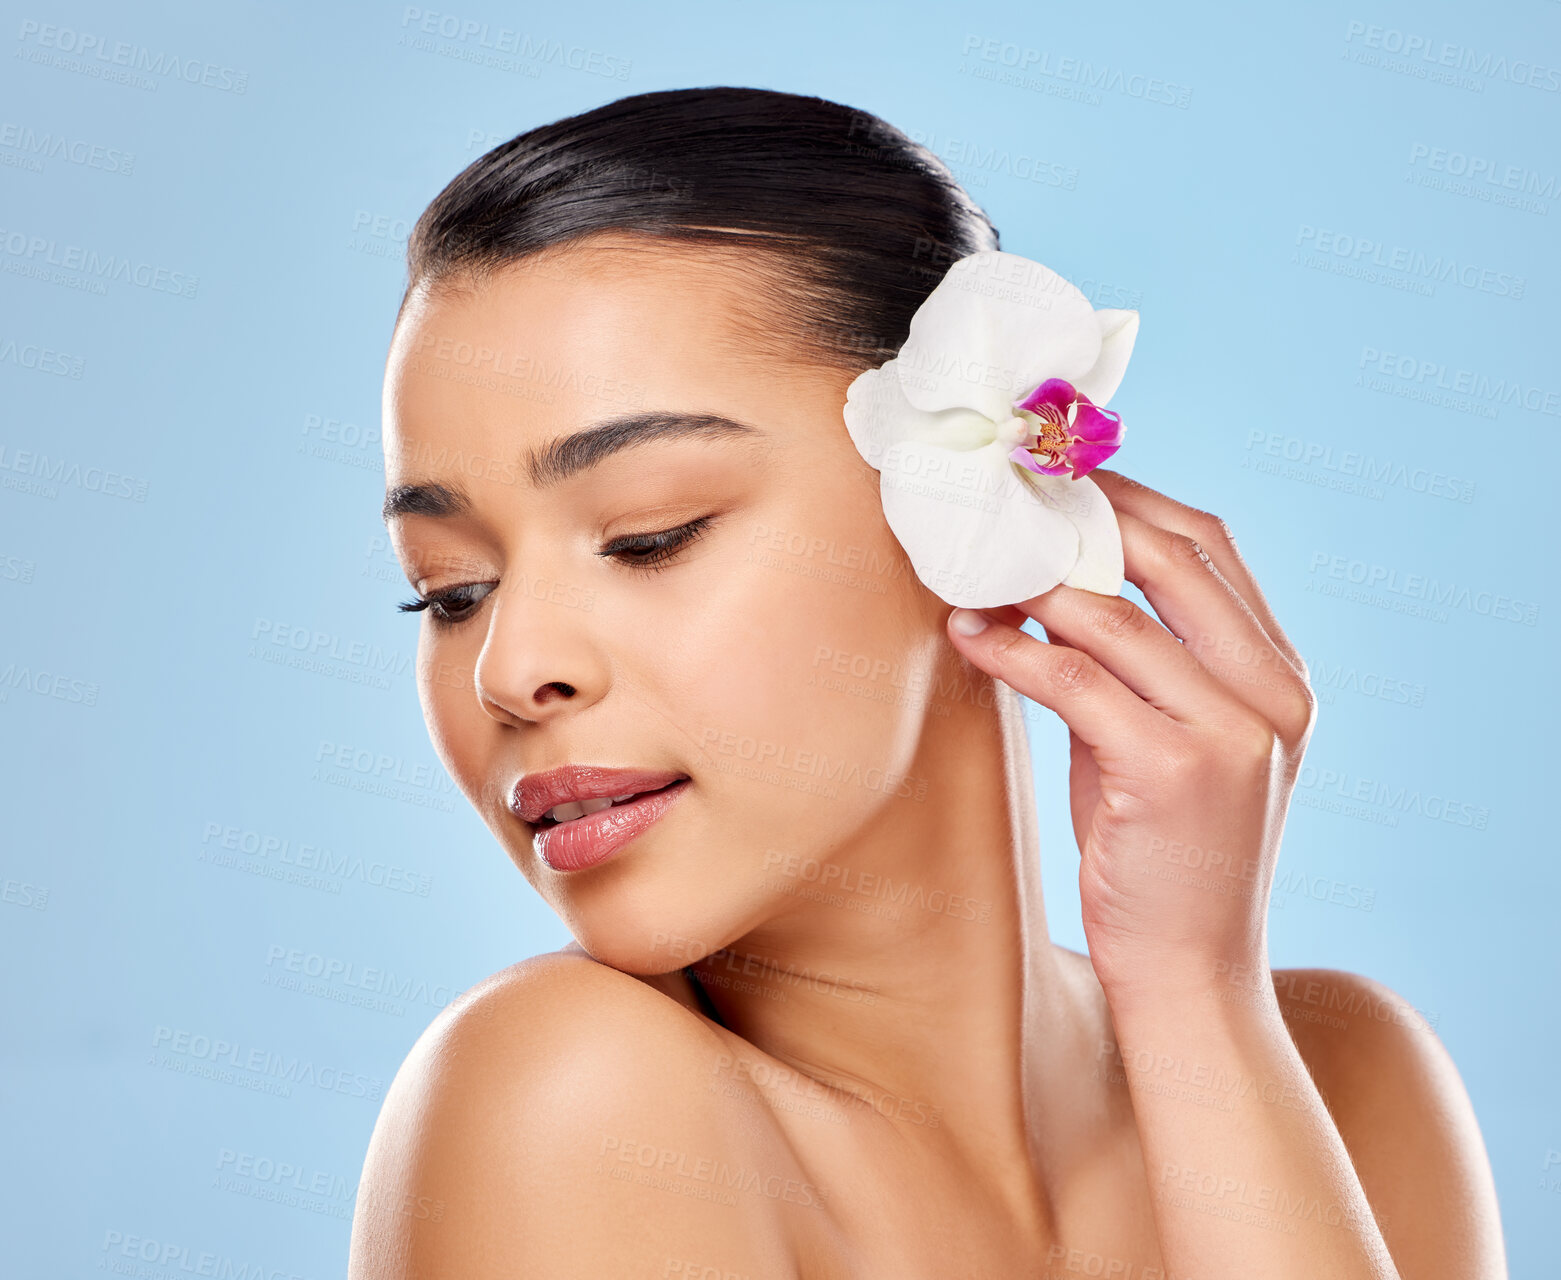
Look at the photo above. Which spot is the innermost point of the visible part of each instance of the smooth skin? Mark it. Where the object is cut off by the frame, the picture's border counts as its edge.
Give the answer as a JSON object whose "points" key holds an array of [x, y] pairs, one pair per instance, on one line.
{"points": [[812, 1025]]}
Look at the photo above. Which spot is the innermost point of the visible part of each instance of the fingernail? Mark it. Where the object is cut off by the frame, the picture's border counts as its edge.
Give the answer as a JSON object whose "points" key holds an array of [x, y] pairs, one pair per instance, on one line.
{"points": [[968, 622]]}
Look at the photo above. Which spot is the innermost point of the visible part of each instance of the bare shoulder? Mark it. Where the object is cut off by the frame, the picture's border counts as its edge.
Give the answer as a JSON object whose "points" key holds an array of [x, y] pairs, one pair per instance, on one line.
{"points": [[559, 1119], [1399, 1104]]}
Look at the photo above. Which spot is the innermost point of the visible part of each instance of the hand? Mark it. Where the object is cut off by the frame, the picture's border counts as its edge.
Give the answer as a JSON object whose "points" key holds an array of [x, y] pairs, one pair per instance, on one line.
{"points": [[1185, 741]]}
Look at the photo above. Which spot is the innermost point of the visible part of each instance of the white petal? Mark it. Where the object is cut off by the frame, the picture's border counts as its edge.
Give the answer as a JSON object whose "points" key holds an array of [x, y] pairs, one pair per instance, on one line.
{"points": [[977, 533], [1118, 332], [878, 415], [994, 327], [1099, 566]]}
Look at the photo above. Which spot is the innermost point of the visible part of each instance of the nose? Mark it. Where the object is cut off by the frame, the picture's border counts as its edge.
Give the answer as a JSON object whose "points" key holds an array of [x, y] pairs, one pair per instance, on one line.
{"points": [[539, 659]]}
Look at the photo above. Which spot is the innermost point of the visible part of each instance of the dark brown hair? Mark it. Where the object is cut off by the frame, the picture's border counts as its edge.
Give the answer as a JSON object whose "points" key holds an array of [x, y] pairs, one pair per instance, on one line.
{"points": [[846, 223]]}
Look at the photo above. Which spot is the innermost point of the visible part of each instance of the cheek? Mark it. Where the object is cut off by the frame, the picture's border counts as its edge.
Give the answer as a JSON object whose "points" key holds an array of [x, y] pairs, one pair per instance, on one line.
{"points": [[455, 720], [796, 669]]}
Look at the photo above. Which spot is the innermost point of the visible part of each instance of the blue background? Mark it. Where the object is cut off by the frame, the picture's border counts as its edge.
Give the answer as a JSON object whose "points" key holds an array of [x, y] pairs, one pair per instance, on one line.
{"points": [[170, 780]]}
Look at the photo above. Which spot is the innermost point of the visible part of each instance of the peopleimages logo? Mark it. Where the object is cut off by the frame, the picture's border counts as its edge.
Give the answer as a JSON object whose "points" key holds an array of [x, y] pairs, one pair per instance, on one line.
{"points": [[1437, 376], [507, 40], [1358, 255], [36, 146], [45, 473], [31, 254], [366, 978], [1421, 588], [1511, 177], [1397, 798], [217, 837], [71, 50], [128, 1254], [1024, 61], [219, 1058], [1350, 465], [41, 359], [1457, 57]]}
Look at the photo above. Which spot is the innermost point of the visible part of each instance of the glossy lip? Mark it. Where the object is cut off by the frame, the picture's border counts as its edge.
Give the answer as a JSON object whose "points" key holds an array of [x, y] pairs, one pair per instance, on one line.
{"points": [[536, 793], [594, 838]]}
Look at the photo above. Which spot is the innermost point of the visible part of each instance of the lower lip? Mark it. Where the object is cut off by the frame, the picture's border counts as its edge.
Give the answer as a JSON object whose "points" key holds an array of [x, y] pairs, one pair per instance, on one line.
{"points": [[590, 840]]}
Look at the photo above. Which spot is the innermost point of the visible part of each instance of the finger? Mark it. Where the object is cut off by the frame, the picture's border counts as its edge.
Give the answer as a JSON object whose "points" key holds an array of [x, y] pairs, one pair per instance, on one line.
{"points": [[1211, 533], [1097, 706], [1083, 787], [1136, 649], [1216, 625], [1009, 613]]}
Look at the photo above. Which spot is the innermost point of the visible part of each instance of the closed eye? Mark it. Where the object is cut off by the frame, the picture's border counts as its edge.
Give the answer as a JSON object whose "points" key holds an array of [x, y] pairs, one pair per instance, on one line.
{"points": [[653, 550], [450, 606], [453, 605]]}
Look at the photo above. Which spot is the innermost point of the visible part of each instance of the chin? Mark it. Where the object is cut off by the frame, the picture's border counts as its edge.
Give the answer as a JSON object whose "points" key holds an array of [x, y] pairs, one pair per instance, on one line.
{"points": [[659, 905], [634, 943]]}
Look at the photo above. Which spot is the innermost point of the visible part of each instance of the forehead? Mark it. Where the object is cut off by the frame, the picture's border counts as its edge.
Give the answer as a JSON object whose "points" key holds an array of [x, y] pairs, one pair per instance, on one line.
{"points": [[571, 336]]}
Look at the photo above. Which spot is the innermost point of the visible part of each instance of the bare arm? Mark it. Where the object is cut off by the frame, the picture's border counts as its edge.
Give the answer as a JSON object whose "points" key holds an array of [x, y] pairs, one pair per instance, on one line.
{"points": [[1254, 1173], [1187, 731]]}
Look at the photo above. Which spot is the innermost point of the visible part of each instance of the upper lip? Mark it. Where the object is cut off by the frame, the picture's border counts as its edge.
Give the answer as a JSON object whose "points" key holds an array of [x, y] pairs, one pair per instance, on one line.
{"points": [[536, 793]]}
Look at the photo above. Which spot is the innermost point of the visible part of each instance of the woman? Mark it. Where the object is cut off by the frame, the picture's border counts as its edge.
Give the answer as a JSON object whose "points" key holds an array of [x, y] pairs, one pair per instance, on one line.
{"points": [[811, 1024]]}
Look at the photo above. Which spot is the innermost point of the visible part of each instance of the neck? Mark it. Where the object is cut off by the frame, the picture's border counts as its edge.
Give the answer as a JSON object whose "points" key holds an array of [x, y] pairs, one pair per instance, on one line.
{"points": [[915, 970]]}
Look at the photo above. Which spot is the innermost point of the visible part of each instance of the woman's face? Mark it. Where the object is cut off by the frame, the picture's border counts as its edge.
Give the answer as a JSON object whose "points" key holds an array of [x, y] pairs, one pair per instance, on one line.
{"points": [[779, 651]]}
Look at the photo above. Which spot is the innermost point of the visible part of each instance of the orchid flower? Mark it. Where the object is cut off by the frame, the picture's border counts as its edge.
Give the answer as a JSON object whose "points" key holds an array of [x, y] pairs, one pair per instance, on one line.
{"points": [[983, 428]]}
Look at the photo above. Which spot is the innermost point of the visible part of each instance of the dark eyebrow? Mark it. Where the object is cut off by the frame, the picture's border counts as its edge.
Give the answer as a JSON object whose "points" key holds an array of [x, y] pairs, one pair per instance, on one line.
{"points": [[568, 456]]}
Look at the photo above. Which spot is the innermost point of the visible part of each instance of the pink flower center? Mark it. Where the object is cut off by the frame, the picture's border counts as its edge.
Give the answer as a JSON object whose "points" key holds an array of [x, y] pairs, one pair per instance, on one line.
{"points": [[1071, 434], [1052, 435]]}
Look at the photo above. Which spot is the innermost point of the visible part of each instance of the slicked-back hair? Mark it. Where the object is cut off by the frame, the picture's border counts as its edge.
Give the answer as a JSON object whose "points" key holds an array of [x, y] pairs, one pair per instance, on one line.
{"points": [[846, 222]]}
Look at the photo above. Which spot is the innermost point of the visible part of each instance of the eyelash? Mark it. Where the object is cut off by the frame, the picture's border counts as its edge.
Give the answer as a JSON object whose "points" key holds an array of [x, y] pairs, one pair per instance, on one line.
{"points": [[659, 548], [662, 545]]}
